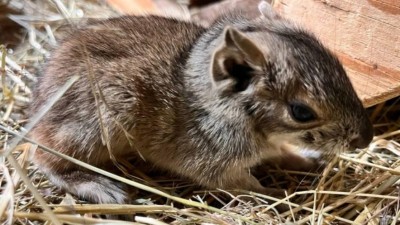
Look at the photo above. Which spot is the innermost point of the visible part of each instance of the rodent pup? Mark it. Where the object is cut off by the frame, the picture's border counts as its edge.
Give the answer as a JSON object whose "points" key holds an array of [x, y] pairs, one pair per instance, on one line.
{"points": [[206, 104]]}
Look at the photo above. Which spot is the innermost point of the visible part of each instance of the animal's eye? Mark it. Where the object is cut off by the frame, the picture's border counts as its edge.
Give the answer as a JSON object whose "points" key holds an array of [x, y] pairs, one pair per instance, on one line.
{"points": [[301, 113]]}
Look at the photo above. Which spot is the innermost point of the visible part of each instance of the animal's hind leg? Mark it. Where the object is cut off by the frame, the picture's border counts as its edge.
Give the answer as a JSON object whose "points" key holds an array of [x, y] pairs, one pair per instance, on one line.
{"points": [[85, 184], [77, 180], [94, 188], [91, 186]]}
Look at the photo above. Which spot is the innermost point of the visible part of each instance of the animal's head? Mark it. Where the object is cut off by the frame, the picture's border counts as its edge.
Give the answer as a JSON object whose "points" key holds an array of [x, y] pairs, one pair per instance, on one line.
{"points": [[291, 87]]}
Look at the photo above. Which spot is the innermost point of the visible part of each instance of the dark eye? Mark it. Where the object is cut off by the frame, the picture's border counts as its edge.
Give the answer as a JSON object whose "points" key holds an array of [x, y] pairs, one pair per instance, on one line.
{"points": [[301, 112]]}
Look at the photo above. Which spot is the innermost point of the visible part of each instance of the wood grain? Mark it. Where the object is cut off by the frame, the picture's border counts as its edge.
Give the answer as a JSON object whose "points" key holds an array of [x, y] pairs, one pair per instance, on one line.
{"points": [[365, 34], [133, 7]]}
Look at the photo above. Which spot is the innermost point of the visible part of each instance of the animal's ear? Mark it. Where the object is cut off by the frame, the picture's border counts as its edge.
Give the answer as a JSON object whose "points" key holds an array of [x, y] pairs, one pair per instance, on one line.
{"points": [[236, 62], [267, 10]]}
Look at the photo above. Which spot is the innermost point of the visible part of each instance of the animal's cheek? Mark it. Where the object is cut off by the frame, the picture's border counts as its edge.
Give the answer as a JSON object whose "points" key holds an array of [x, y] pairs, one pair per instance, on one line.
{"points": [[308, 139]]}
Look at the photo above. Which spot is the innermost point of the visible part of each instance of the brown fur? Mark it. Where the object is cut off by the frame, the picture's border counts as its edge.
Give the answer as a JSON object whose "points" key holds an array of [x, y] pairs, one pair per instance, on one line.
{"points": [[206, 104]]}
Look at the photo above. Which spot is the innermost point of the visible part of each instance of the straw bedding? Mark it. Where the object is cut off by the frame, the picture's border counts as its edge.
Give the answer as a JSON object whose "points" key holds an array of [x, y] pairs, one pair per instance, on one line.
{"points": [[360, 187]]}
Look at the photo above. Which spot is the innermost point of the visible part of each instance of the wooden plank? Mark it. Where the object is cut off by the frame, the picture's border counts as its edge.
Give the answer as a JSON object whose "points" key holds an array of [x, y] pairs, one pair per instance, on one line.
{"points": [[365, 34], [133, 7], [168, 8]]}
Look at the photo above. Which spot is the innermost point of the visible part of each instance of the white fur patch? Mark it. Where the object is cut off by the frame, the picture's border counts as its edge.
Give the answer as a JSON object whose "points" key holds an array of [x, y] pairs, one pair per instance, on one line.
{"points": [[309, 153]]}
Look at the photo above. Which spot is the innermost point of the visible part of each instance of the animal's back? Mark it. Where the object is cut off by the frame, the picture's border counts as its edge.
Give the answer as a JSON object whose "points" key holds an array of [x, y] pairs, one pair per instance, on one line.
{"points": [[127, 66], [139, 43]]}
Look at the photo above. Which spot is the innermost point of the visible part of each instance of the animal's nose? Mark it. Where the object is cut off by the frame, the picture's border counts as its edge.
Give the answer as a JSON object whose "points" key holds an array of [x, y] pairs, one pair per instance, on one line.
{"points": [[359, 142], [364, 137]]}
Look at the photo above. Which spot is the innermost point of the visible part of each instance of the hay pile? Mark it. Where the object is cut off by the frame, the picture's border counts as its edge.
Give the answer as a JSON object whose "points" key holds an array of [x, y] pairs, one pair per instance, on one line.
{"points": [[361, 187]]}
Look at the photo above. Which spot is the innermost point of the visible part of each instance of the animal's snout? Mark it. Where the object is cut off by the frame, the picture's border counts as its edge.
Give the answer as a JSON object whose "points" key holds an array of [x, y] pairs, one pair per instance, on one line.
{"points": [[364, 136]]}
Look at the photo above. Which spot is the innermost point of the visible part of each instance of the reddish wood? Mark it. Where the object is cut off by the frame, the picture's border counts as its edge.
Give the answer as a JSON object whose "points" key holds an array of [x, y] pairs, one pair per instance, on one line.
{"points": [[364, 33], [133, 7]]}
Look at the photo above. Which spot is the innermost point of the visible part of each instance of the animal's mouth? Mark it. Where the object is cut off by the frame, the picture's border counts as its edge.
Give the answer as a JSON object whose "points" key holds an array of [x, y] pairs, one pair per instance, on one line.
{"points": [[309, 153], [301, 151], [324, 153], [291, 144]]}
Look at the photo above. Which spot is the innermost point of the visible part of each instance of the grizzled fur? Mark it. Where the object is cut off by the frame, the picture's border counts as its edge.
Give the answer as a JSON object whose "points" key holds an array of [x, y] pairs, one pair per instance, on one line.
{"points": [[158, 89]]}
